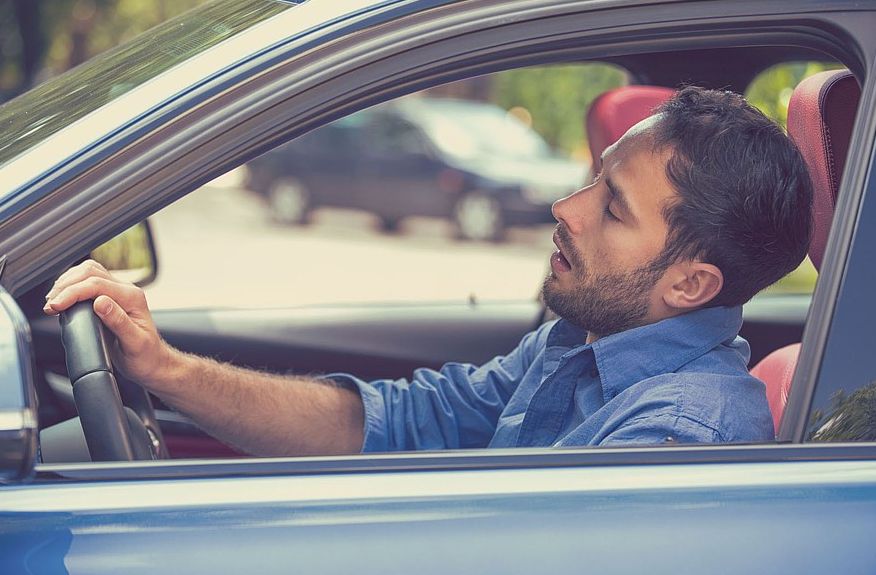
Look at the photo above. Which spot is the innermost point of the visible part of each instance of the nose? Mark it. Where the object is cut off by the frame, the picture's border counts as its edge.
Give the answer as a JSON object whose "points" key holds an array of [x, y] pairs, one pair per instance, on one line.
{"points": [[572, 210]]}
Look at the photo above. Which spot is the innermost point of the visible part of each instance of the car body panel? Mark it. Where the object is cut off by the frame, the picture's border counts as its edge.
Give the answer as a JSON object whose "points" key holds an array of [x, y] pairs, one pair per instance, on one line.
{"points": [[519, 520]]}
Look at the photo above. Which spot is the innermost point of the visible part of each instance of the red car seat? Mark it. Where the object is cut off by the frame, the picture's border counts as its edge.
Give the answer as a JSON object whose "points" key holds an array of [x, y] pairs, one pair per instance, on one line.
{"points": [[820, 119], [614, 112]]}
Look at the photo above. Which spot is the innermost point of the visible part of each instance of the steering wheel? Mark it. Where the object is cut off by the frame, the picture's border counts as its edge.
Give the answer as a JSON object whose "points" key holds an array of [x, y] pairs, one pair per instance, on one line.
{"points": [[113, 431]]}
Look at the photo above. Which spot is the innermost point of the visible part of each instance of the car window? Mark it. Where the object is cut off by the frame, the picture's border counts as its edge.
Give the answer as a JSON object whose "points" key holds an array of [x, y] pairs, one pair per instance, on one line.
{"points": [[343, 204], [340, 216], [472, 197]]}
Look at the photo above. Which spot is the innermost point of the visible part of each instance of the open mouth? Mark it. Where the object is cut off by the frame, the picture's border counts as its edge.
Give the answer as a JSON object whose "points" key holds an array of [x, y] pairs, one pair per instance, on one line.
{"points": [[559, 263]]}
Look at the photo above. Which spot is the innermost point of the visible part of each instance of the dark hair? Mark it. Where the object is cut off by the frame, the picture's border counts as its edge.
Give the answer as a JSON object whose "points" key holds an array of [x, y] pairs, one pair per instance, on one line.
{"points": [[744, 191]]}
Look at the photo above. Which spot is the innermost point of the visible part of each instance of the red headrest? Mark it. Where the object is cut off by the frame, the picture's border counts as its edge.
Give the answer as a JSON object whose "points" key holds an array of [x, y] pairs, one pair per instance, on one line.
{"points": [[618, 110], [820, 119]]}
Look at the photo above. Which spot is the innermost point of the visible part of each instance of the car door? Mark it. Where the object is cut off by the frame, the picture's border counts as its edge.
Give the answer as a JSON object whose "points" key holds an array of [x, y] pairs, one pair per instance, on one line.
{"points": [[767, 508]]}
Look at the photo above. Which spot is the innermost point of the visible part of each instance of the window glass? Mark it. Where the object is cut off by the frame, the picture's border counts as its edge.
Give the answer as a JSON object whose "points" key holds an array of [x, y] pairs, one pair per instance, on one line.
{"points": [[390, 134], [53, 106], [443, 195]]}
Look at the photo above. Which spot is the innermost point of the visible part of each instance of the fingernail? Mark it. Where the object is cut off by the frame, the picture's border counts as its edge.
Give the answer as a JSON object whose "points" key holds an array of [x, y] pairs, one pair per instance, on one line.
{"points": [[103, 307]]}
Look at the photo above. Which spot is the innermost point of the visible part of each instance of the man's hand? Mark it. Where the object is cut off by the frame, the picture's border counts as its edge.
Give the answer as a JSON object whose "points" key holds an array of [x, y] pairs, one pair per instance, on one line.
{"points": [[140, 352]]}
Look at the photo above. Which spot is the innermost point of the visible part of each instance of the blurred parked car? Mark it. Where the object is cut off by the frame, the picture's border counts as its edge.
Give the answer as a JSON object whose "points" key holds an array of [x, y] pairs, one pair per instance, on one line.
{"points": [[421, 156]]}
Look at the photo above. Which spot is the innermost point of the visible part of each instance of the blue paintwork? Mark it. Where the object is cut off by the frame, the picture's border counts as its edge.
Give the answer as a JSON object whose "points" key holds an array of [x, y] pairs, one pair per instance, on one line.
{"points": [[740, 518]]}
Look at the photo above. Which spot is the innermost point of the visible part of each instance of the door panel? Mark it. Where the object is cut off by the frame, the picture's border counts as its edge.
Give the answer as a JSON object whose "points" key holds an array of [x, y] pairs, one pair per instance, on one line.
{"points": [[780, 517]]}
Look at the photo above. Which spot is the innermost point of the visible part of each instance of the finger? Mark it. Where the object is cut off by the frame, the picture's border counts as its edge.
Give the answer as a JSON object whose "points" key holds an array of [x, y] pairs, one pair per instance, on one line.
{"points": [[88, 268], [129, 296], [120, 323], [82, 270]]}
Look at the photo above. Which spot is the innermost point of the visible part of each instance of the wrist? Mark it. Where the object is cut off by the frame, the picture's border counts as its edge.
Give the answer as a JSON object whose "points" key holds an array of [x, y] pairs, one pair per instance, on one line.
{"points": [[171, 366]]}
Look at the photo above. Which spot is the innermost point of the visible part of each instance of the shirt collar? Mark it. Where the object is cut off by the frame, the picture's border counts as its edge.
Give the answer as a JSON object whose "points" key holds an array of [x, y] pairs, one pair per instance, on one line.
{"points": [[628, 357]]}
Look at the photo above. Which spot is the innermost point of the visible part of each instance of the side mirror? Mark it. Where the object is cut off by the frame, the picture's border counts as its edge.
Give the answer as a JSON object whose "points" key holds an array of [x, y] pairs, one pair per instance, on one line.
{"points": [[130, 255], [18, 418]]}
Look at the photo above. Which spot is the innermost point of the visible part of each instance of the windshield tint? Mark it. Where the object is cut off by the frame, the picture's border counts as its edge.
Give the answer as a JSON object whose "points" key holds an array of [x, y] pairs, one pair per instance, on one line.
{"points": [[54, 105]]}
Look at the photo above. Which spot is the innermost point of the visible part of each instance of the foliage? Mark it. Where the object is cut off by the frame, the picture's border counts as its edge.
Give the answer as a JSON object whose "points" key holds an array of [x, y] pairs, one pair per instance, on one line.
{"points": [[771, 91], [851, 418], [64, 33], [557, 98]]}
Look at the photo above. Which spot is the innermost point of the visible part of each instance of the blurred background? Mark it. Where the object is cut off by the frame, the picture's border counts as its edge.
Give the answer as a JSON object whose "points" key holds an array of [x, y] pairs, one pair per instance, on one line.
{"points": [[419, 199]]}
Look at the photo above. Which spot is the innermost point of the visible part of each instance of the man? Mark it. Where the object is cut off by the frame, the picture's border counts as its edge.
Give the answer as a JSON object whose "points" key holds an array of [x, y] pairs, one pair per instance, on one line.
{"points": [[697, 209]]}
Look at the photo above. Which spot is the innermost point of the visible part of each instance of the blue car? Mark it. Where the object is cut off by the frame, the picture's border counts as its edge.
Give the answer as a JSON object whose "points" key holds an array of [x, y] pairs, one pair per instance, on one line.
{"points": [[92, 153]]}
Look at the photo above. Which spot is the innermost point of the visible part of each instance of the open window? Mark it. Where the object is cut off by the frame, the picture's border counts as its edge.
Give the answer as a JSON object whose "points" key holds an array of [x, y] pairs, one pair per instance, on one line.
{"points": [[386, 283]]}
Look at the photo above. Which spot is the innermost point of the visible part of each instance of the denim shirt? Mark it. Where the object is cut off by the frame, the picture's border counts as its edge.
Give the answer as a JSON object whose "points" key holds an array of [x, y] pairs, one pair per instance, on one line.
{"points": [[683, 379]]}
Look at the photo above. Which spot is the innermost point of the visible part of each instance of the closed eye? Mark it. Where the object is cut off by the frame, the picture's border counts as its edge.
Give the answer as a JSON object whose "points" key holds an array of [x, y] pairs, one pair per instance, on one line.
{"points": [[610, 214]]}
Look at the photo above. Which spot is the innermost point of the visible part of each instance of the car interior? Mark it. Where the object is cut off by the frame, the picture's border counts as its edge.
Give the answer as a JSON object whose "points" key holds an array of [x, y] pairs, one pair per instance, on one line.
{"points": [[386, 340]]}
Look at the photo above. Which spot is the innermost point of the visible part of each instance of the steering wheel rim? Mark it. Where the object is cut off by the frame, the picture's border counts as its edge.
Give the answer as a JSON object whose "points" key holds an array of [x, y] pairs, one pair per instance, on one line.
{"points": [[113, 432]]}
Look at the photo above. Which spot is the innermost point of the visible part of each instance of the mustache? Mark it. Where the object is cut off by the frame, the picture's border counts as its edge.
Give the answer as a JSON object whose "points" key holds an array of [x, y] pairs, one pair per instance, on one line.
{"points": [[567, 245]]}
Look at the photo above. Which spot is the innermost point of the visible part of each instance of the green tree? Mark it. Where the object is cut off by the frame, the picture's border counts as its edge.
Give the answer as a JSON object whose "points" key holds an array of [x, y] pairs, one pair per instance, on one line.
{"points": [[557, 98], [771, 91], [40, 38]]}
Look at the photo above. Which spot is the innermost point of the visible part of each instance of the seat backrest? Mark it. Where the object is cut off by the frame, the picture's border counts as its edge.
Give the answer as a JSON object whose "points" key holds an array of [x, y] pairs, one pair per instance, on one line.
{"points": [[614, 112], [821, 115]]}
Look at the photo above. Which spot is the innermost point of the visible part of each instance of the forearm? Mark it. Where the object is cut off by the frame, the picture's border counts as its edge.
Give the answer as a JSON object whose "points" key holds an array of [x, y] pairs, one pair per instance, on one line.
{"points": [[263, 414]]}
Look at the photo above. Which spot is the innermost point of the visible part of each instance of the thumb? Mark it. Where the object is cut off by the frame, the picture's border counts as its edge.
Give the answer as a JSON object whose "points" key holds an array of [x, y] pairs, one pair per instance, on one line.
{"points": [[114, 317]]}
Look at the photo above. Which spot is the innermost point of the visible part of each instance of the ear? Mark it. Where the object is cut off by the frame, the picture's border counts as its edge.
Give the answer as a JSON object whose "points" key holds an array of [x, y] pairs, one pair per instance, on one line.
{"points": [[694, 284]]}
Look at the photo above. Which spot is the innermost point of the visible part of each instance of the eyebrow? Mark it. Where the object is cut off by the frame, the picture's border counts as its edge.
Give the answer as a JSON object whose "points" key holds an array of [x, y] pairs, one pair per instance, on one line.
{"points": [[620, 198]]}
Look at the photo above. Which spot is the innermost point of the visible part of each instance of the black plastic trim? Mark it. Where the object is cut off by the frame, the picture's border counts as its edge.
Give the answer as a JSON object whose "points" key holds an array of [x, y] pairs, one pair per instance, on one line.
{"points": [[460, 460]]}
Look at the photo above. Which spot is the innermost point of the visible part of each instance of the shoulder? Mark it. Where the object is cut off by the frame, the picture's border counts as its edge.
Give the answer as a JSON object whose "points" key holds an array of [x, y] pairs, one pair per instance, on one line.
{"points": [[734, 406], [696, 407]]}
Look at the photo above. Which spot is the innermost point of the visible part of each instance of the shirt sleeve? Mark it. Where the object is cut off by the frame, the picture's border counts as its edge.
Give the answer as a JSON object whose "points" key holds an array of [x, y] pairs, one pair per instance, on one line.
{"points": [[457, 406]]}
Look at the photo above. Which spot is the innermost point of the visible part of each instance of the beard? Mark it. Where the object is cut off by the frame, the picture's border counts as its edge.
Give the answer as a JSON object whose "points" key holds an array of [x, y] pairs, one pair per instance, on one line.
{"points": [[606, 303]]}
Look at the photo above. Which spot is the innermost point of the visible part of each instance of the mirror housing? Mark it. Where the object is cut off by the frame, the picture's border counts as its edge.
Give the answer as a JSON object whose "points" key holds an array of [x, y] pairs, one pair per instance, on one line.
{"points": [[18, 417], [130, 255]]}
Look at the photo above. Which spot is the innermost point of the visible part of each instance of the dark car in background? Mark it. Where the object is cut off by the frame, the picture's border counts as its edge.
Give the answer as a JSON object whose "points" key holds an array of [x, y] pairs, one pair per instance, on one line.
{"points": [[469, 161]]}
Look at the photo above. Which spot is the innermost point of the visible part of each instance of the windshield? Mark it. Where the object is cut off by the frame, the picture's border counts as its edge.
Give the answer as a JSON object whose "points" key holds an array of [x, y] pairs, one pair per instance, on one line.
{"points": [[469, 130], [54, 105]]}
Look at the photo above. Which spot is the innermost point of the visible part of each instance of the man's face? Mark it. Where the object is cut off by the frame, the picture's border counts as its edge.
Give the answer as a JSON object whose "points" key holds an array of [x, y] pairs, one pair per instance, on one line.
{"points": [[609, 235]]}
